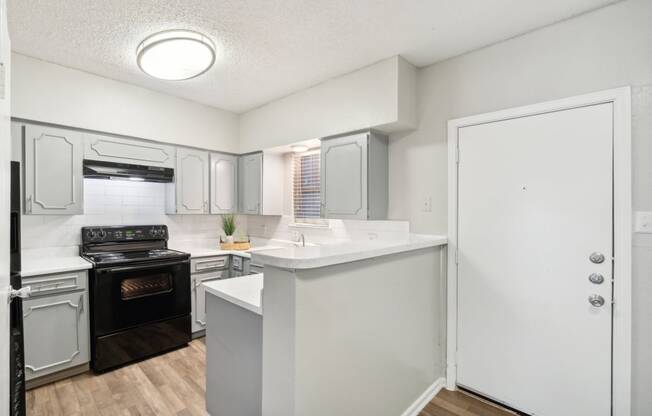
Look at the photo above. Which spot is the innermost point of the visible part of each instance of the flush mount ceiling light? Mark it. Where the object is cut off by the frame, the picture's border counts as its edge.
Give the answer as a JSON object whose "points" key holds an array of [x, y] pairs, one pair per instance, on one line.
{"points": [[299, 148], [175, 55]]}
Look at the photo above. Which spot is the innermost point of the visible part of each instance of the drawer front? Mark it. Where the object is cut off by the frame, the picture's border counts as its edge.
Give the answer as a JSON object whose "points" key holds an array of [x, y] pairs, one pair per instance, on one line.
{"points": [[56, 333], [56, 283], [207, 264]]}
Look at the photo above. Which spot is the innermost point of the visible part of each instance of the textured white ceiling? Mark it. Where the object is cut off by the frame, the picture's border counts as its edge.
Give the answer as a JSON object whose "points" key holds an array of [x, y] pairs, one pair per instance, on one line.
{"points": [[271, 48]]}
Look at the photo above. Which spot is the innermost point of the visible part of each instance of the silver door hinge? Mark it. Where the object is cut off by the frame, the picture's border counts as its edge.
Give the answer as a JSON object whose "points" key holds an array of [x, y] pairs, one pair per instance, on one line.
{"points": [[457, 155]]}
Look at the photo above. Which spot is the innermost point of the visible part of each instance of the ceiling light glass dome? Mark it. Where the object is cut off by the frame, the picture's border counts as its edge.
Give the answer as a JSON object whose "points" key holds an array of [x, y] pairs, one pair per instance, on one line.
{"points": [[175, 55]]}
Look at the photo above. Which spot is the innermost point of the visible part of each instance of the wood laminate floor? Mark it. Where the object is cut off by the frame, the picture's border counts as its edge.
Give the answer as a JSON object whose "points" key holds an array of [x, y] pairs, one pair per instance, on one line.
{"points": [[174, 384]]}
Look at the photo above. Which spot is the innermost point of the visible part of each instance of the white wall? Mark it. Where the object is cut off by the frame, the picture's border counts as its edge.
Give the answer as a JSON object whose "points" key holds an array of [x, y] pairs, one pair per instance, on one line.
{"points": [[380, 95], [608, 48], [55, 94], [5, 175]]}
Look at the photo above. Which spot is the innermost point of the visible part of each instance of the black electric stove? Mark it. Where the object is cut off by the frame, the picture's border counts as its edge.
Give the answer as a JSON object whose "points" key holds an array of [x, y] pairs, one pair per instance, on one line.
{"points": [[121, 257], [139, 294]]}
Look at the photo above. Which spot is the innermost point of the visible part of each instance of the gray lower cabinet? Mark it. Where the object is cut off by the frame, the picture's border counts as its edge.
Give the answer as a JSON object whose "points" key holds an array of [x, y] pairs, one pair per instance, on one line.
{"points": [[251, 183], [354, 176], [53, 170], [56, 325], [189, 195], [198, 300], [202, 270], [234, 359], [224, 183]]}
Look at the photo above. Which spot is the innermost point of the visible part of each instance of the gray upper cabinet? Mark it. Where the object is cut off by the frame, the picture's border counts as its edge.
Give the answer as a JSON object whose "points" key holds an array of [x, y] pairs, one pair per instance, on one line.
{"points": [[224, 183], [56, 333], [53, 171], [251, 183], [137, 152], [354, 176], [191, 182]]}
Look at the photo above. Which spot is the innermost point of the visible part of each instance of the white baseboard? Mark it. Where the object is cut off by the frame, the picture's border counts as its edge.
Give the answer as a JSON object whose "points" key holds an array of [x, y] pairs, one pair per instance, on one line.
{"points": [[415, 408]]}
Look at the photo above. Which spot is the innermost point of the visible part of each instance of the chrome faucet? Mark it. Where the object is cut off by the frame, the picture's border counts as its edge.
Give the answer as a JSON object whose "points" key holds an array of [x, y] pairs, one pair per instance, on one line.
{"points": [[302, 238]]}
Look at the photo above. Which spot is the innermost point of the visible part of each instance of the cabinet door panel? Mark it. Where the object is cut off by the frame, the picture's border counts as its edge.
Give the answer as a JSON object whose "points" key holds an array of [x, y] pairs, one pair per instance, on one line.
{"points": [[344, 177], [53, 171], [139, 152], [56, 333], [192, 181], [224, 183], [198, 299], [251, 184]]}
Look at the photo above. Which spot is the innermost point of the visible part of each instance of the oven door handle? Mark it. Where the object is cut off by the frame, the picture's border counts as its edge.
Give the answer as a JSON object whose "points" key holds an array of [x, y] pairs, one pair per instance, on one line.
{"points": [[143, 267]]}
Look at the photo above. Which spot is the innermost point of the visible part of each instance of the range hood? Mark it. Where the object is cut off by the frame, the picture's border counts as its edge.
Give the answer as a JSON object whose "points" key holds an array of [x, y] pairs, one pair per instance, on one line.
{"points": [[122, 171]]}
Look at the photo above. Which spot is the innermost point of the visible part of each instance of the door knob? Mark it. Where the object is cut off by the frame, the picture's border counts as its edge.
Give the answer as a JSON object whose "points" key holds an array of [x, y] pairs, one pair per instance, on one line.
{"points": [[596, 258], [596, 278], [596, 300]]}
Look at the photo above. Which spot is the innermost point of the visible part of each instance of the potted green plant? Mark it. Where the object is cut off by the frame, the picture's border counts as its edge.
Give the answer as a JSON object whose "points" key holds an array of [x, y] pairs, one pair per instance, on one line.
{"points": [[228, 226]]}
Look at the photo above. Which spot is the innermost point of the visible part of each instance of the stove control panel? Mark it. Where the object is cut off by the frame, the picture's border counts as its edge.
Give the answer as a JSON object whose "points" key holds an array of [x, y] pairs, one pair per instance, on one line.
{"points": [[124, 233]]}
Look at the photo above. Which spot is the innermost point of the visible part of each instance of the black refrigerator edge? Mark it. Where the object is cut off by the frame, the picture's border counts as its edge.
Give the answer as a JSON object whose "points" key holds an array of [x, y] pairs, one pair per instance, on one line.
{"points": [[17, 347]]}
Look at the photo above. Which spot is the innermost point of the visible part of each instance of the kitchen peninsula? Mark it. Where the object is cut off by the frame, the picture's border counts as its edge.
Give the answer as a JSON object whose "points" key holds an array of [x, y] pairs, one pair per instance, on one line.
{"points": [[336, 320]]}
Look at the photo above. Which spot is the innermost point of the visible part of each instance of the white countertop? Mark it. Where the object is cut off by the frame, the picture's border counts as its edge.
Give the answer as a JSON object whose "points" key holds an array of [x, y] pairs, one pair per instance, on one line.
{"points": [[245, 291], [40, 262], [330, 254]]}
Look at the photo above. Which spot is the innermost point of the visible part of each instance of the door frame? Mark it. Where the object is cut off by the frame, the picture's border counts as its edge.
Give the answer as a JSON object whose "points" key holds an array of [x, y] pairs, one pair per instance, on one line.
{"points": [[622, 228]]}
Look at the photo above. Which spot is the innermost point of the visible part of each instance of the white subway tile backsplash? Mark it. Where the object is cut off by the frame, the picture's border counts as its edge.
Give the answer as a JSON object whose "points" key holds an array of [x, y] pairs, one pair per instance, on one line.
{"points": [[284, 228], [133, 203], [118, 203]]}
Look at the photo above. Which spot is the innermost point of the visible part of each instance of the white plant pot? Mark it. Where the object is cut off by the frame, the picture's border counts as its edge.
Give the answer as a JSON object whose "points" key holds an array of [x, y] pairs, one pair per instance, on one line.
{"points": [[229, 239]]}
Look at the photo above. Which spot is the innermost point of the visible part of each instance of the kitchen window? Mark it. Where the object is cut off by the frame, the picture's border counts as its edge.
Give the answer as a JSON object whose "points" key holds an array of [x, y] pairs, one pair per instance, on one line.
{"points": [[306, 198]]}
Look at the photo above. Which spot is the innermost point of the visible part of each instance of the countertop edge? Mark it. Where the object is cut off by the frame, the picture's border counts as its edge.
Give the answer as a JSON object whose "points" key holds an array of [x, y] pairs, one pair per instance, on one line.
{"points": [[53, 270], [258, 310], [331, 260]]}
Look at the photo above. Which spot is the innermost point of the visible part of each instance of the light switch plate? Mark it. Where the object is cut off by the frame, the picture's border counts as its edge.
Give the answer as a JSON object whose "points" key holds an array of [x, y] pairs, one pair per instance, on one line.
{"points": [[643, 222]]}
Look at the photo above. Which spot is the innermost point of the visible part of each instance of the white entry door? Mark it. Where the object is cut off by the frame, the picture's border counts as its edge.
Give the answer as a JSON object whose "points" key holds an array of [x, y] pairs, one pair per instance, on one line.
{"points": [[534, 204]]}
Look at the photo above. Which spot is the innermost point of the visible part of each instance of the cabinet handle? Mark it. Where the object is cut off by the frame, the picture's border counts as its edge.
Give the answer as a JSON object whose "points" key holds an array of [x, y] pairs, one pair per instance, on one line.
{"points": [[81, 305], [29, 204]]}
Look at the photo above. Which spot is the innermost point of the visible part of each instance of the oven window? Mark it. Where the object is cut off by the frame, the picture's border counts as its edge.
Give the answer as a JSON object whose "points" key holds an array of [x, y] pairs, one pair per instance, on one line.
{"points": [[150, 285]]}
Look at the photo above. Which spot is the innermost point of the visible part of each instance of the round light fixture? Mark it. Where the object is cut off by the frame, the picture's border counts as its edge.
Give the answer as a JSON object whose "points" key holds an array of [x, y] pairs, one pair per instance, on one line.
{"points": [[175, 55], [299, 148]]}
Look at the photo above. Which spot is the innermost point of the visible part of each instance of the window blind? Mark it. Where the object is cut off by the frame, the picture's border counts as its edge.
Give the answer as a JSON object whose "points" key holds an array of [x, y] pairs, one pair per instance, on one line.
{"points": [[306, 185]]}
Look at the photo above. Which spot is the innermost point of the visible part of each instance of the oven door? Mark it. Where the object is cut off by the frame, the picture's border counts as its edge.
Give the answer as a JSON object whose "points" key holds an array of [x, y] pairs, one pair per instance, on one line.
{"points": [[127, 296]]}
